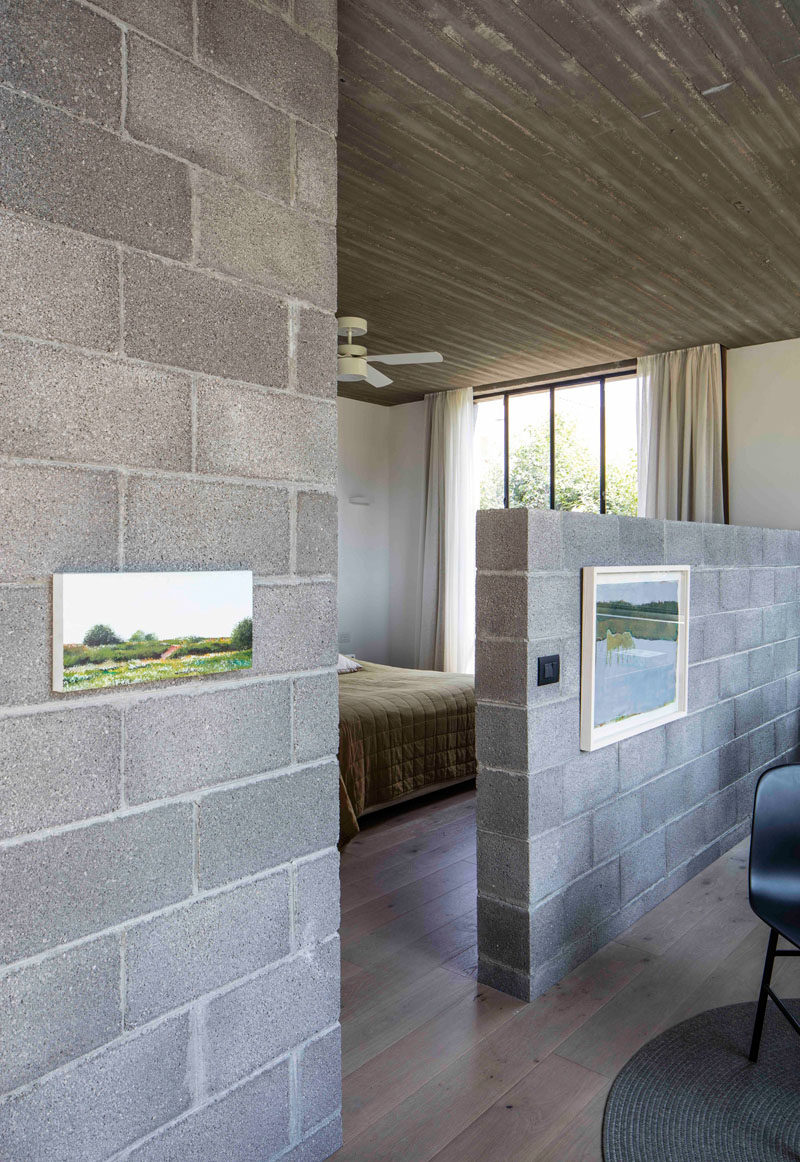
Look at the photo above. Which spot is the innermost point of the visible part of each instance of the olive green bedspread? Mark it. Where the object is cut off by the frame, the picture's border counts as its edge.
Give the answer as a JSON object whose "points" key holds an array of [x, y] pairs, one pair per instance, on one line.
{"points": [[399, 732]]}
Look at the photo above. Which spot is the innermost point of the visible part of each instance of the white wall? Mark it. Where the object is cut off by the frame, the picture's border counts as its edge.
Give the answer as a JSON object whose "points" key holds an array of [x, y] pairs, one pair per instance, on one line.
{"points": [[381, 458], [763, 387]]}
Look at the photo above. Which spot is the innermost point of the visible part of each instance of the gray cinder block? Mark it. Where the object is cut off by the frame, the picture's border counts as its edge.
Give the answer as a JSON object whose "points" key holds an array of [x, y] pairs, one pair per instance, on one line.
{"points": [[58, 285], [776, 547], [774, 696], [318, 19], [662, 799], [703, 592], [501, 671], [616, 825], [785, 584], [719, 634], [784, 658], [734, 588], [686, 836], [176, 743], [294, 627], [734, 760], [248, 829], [319, 1145], [317, 898], [505, 932], [502, 605], [61, 766], [703, 685], [317, 540], [775, 623], [683, 543], [504, 802], [641, 542], [749, 545], [501, 734], [701, 778], [553, 734], [65, 405], [684, 739], [245, 432], [553, 605], [320, 1076], [720, 813], [503, 866], [57, 1010], [762, 745], [642, 756], [642, 865], [761, 666], [591, 899], [559, 856], [185, 111], [315, 340], [93, 877], [74, 173], [590, 539], [104, 1103], [175, 958], [254, 1023], [545, 539], [762, 587], [24, 634], [787, 732], [590, 780], [748, 711], [316, 171], [720, 547], [697, 645], [502, 539], [718, 724], [749, 634], [316, 715], [733, 675]]}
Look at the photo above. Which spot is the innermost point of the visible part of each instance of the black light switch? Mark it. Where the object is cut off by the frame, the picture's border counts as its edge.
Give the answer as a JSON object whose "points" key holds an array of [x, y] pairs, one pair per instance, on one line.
{"points": [[549, 669]]}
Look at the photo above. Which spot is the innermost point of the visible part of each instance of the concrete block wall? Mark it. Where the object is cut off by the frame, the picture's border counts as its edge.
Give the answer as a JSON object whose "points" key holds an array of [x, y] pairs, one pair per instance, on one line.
{"points": [[168, 953], [573, 846]]}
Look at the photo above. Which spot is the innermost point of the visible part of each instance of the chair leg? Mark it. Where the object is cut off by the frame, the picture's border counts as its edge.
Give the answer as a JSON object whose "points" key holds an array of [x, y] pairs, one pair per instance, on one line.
{"points": [[764, 994]]}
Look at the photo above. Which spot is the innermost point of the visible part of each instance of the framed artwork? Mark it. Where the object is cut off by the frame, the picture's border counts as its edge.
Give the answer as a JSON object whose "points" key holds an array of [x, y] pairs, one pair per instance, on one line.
{"points": [[120, 629], [634, 650]]}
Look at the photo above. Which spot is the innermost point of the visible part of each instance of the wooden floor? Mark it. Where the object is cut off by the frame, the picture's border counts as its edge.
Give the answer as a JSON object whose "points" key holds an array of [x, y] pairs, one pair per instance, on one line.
{"points": [[439, 1067]]}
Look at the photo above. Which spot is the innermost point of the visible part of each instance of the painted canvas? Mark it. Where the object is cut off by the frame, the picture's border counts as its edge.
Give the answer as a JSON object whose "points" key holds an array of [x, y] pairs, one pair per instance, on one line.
{"points": [[121, 629], [635, 655]]}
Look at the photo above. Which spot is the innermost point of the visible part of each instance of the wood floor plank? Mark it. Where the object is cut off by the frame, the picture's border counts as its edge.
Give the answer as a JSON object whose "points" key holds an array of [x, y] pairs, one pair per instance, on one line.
{"points": [[366, 917], [581, 1141], [392, 938]]}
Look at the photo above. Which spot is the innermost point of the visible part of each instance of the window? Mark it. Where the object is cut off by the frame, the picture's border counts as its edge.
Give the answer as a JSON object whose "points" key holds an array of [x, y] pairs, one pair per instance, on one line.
{"points": [[567, 445]]}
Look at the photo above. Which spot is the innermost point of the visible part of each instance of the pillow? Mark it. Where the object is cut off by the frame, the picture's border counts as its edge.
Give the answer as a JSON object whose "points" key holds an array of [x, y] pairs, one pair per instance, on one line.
{"points": [[347, 665]]}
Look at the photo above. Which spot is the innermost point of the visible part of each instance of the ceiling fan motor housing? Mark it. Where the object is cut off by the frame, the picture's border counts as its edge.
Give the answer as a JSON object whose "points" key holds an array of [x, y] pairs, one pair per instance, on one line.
{"points": [[351, 369]]}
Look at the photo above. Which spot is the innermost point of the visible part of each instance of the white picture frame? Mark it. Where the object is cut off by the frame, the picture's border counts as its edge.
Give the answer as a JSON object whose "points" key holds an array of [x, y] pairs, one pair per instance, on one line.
{"points": [[619, 691]]}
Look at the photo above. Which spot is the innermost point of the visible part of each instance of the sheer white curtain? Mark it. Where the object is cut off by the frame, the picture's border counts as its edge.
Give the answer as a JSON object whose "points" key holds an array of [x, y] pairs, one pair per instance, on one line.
{"points": [[680, 434], [447, 592]]}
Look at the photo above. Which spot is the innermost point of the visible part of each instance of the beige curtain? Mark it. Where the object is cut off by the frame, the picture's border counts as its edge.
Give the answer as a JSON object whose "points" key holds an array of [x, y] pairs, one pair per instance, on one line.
{"points": [[680, 434], [447, 615]]}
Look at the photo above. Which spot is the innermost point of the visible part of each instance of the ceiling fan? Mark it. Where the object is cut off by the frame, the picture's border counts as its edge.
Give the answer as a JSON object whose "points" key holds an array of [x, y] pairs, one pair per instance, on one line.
{"points": [[353, 364]]}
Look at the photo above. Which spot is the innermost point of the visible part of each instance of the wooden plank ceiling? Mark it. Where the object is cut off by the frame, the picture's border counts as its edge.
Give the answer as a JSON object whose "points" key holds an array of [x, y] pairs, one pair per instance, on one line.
{"points": [[539, 185]]}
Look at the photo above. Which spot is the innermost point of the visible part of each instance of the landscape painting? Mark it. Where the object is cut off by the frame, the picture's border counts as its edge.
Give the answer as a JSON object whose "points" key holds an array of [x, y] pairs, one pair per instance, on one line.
{"points": [[634, 663], [121, 629]]}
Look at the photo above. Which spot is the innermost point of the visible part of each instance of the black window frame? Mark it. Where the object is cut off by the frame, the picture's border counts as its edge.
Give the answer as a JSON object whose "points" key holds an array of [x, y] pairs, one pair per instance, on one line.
{"points": [[552, 387]]}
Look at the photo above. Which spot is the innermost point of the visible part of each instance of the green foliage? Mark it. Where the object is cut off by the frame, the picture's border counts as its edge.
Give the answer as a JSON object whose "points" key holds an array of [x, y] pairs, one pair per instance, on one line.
{"points": [[100, 635], [242, 636], [94, 677]]}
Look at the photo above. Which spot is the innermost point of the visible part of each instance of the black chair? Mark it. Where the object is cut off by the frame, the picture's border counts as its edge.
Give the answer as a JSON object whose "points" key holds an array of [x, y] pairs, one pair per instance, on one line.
{"points": [[775, 877]]}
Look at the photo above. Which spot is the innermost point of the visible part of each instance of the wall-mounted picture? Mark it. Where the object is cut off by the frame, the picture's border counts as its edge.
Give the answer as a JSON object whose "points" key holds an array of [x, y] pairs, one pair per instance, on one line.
{"points": [[634, 651], [120, 629]]}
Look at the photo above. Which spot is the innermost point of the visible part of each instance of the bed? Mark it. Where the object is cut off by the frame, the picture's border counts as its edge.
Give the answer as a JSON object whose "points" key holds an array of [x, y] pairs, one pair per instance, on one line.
{"points": [[402, 733]]}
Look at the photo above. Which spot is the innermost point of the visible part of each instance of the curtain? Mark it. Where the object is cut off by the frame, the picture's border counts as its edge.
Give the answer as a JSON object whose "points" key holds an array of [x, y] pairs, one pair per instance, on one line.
{"points": [[447, 590], [679, 418]]}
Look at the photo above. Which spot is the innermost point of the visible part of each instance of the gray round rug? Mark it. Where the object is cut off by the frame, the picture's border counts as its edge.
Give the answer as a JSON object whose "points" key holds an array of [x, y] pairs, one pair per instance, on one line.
{"points": [[692, 1095]]}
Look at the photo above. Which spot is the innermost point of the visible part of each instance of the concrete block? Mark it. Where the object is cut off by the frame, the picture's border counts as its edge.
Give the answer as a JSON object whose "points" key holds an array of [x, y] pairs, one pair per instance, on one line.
{"points": [[201, 524], [761, 666], [244, 830], [701, 778], [683, 543], [749, 545], [320, 1079], [174, 959], [792, 691], [170, 23], [641, 542], [186, 741], [547, 930], [718, 724], [642, 756], [245, 432], [316, 717], [720, 548], [762, 587], [784, 658], [57, 1010], [553, 734], [787, 732], [24, 638], [559, 856], [318, 19], [58, 767], [106, 1102], [749, 629], [502, 539], [662, 799], [745, 792], [501, 671], [569, 650], [187, 318], [64, 55], [505, 932], [733, 675], [503, 867], [684, 739], [504, 802], [616, 825], [254, 1023], [545, 800], [785, 585], [316, 171], [553, 605], [703, 592], [58, 285], [697, 645], [501, 602], [501, 735], [74, 173], [294, 627], [64, 405], [260, 52], [748, 711], [762, 746], [719, 634], [236, 1127], [317, 1146], [317, 898], [686, 836], [703, 685], [734, 760], [720, 813], [591, 899], [793, 546], [774, 696], [590, 539], [776, 547], [244, 234], [56, 519], [315, 354], [187, 112], [545, 539], [317, 539], [590, 780], [734, 588], [92, 878], [642, 865], [775, 623]]}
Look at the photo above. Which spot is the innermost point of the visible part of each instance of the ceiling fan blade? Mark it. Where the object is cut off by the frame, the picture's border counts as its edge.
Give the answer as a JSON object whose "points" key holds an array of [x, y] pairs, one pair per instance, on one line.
{"points": [[408, 357], [377, 378]]}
